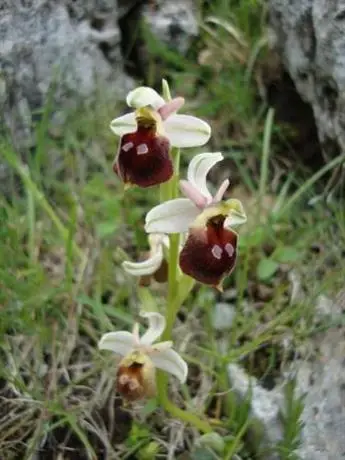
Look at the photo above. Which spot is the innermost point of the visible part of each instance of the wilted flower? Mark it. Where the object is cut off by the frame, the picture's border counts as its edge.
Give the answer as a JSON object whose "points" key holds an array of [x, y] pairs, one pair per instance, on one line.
{"points": [[210, 251], [149, 132], [136, 372]]}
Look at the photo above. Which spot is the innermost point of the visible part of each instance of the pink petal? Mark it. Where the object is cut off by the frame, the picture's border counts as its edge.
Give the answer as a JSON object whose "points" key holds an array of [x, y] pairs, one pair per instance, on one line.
{"points": [[220, 193], [171, 107], [193, 194]]}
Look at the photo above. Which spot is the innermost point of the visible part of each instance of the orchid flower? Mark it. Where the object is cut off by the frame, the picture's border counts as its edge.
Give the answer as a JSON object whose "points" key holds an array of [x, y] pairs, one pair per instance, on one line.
{"points": [[210, 251], [136, 371], [148, 133]]}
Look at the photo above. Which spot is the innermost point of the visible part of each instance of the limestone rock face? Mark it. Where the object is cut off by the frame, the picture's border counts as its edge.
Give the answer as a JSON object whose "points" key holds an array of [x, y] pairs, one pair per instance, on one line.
{"points": [[322, 381], [45, 42], [309, 35], [173, 22], [74, 47]]}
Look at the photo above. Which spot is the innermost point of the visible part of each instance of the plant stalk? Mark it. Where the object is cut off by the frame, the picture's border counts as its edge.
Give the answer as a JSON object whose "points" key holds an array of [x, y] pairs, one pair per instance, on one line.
{"points": [[170, 191]]}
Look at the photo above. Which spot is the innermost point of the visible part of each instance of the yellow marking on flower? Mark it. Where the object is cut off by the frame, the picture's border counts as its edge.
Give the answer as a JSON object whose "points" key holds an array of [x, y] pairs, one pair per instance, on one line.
{"points": [[147, 117], [229, 208]]}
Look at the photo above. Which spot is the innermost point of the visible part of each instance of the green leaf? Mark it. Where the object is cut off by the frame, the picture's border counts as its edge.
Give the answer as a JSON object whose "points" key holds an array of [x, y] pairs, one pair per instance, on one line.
{"points": [[149, 407], [287, 254], [254, 238], [266, 269], [202, 453], [147, 300], [107, 228], [149, 452], [212, 440]]}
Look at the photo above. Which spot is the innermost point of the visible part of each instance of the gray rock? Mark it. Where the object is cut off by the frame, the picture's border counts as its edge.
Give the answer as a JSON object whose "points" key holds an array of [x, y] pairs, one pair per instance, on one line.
{"points": [[327, 307], [322, 381], [70, 46], [173, 22], [223, 316], [74, 47], [265, 405], [309, 34]]}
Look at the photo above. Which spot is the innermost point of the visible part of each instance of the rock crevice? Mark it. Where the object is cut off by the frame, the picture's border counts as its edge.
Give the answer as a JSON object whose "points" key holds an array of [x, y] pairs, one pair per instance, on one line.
{"points": [[309, 35]]}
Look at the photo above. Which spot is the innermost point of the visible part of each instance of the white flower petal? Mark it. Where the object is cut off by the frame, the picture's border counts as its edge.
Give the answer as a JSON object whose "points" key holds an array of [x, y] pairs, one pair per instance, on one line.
{"points": [[156, 327], [124, 124], [170, 361], [156, 241], [147, 267], [120, 342], [198, 169], [186, 131], [161, 346], [174, 216], [143, 96]]}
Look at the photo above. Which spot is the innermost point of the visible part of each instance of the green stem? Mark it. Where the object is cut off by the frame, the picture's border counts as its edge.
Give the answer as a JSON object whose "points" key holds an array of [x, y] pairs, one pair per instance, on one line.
{"points": [[265, 157], [170, 191], [172, 301], [172, 304], [185, 416]]}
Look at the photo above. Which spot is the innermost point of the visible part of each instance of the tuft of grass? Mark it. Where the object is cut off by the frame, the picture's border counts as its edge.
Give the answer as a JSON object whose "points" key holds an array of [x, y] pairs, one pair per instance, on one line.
{"points": [[291, 419]]}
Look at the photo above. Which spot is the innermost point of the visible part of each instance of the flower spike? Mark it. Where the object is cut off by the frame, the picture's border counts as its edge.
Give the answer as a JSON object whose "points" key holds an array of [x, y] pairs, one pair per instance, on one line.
{"points": [[136, 371]]}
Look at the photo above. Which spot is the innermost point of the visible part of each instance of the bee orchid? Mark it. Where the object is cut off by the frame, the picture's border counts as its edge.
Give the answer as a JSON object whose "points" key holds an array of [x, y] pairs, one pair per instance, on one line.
{"points": [[147, 135], [210, 251], [135, 378]]}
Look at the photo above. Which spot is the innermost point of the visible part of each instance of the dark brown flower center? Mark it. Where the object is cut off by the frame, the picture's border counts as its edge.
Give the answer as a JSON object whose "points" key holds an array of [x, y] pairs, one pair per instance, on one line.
{"points": [[143, 157], [209, 253], [129, 381]]}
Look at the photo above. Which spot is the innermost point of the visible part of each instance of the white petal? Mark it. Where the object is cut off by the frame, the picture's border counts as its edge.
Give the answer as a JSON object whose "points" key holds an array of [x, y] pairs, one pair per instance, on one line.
{"points": [[120, 342], [174, 216], [170, 361], [235, 213], [186, 131], [143, 96], [147, 267], [161, 346], [156, 241], [198, 169], [124, 124], [156, 327]]}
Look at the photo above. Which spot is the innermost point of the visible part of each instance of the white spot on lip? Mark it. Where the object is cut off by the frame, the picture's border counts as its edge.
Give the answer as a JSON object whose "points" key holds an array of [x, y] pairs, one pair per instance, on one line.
{"points": [[142, 149], [229, 249], [123, 379], [133, 385], [127, 146], [217, 251]]}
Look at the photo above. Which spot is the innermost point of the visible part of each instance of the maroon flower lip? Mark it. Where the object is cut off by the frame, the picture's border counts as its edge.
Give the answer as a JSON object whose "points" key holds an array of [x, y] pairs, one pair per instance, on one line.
{"points": [[209, 253], [143, 158]]}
